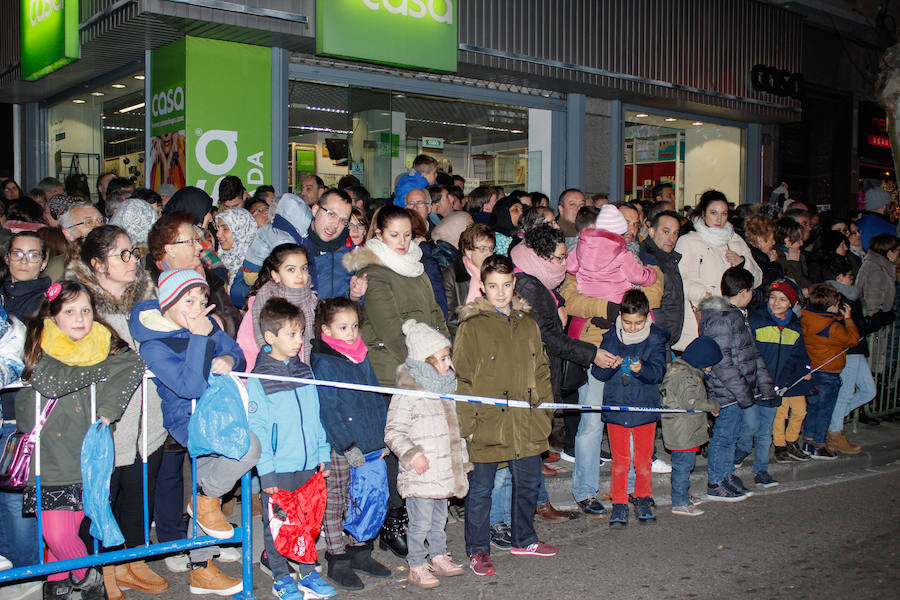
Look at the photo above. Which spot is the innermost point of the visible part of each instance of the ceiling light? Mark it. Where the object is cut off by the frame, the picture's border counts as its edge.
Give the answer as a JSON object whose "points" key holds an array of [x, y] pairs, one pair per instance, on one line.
{"points": [[641, 115], [98, 94], [131, 108], [671, 119], [78, 101], [697, 123], [118, 86], [139, 77]]}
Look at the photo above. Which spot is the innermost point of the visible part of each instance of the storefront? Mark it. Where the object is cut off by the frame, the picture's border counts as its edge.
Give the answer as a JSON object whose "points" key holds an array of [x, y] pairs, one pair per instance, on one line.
{"points": [[362, 86]]}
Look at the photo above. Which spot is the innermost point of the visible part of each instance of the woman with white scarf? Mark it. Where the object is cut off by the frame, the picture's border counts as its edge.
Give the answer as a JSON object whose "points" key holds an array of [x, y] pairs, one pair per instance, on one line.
{"points": [[706, 253], [236, 231]]}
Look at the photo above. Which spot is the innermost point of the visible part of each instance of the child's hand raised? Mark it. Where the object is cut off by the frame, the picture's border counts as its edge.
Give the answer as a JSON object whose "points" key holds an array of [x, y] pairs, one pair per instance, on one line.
{"points": [[636, 366], [420, 463], [359, 284], [845, 311], [222, 365], [200, 324]]}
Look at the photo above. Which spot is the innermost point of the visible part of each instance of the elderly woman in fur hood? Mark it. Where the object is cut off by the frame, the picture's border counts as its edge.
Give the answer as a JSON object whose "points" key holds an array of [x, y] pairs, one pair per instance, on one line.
{"points": [[109, 266], [398, 290]]}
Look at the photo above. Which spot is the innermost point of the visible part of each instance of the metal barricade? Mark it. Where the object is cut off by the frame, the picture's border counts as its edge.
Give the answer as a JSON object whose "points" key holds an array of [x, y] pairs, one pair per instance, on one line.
{"points": [[242, 535], [884, 362]]}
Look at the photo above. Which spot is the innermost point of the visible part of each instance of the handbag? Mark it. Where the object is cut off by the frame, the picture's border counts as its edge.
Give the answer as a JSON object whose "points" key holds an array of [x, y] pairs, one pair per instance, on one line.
{"points": [[15, 460], [571, 378]]}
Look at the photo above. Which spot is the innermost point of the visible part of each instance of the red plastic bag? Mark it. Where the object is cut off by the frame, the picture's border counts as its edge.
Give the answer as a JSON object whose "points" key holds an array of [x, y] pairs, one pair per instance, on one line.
{"points": [[295, 519]]}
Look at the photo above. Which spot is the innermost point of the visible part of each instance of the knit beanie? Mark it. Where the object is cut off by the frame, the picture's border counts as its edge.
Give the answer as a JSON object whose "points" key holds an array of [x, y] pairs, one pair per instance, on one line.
{"points": [[702, 352], [175, 283], [611, 219], [422, 340], [786, 287], [451, 227], [59, 204], [877, 197]]}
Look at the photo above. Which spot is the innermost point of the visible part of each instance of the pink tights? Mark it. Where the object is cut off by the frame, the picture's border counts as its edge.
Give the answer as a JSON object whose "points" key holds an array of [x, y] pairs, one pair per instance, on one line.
{"points": [[60, 529]]}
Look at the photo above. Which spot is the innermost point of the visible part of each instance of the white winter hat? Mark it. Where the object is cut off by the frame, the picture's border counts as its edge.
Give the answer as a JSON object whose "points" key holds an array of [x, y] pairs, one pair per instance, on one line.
{"points": [[423, 340]]}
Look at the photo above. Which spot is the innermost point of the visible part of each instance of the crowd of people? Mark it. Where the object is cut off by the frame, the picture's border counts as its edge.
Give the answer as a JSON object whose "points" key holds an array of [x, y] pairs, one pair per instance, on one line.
{"points": [[753, 320]]}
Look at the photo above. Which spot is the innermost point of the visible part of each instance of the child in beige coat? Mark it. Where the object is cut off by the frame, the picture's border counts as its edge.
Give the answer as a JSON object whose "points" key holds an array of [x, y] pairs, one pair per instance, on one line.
{"points": [[424, 434]]}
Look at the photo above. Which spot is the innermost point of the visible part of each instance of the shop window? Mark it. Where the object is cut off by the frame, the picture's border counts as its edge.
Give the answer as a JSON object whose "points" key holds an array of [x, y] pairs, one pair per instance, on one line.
{"points": [[101, 130], [376, 134], [692, 155]]}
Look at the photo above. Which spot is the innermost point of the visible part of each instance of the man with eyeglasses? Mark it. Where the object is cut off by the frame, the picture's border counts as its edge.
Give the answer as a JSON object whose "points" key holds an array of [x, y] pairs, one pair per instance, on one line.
{"points": [[80, 220], [327, 244], [419, 201]]}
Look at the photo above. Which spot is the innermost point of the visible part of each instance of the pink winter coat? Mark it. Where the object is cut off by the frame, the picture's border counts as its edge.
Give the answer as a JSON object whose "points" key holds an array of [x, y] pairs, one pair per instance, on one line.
{"points": [[245, 337], [604, 267]]}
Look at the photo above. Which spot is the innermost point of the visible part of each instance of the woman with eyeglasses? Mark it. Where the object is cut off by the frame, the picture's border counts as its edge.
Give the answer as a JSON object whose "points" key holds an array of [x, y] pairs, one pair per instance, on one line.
{"points": [[476, 243], [23, 288], [174, 244], [358, 226], [109, 267]]}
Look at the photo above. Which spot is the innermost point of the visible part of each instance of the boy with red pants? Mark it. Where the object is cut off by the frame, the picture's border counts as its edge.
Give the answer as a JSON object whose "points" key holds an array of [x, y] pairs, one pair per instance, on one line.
{"points": [[632, 380]]}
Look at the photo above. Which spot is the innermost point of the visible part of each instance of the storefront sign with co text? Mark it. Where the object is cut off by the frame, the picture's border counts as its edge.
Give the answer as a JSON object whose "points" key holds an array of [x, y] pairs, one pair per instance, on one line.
{"points": [[418, 34], [49, 30]]}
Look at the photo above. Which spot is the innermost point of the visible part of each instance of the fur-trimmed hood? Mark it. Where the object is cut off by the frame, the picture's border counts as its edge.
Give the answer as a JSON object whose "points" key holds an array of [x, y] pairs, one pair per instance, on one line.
{"points": [[481, 306], [141, 289], [715, 303]]}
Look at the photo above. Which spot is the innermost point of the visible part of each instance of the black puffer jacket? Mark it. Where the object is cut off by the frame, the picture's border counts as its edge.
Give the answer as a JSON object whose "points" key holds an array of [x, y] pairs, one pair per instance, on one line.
{"points": [[670, 314], [456, 288], [557, 344], [742, 373]]}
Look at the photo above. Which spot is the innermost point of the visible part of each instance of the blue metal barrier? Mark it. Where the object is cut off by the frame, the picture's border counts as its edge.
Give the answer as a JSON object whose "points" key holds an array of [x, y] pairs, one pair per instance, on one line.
{"points": [[242, 535]]}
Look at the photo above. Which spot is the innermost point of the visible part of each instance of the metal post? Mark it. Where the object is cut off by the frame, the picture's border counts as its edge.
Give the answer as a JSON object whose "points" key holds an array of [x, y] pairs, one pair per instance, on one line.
{"points": [[37, 476], [145, 485]]}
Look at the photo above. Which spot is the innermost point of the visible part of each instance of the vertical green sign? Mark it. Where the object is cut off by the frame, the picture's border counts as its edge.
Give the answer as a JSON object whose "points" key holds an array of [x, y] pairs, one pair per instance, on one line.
{"points": [[421, 34], [202, 127], [49, 36]]}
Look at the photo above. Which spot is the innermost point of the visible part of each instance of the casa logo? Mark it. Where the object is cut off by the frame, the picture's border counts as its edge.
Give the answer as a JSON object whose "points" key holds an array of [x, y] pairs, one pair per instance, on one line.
{"points": [[40, 10], [167, 102], [416, 9], [229, 139]]}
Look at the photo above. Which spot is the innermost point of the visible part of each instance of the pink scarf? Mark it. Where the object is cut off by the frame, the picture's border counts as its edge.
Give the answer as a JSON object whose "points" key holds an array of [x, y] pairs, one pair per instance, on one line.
{"points": [[474, 284], [546, 271], [356, 351]]}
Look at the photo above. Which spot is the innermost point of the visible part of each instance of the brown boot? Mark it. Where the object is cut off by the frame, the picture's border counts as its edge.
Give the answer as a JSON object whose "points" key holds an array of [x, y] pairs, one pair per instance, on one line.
{"points": [[138, 576], [210, 518], [228, 506], [210, 580], [109, 581], [838, 440]]}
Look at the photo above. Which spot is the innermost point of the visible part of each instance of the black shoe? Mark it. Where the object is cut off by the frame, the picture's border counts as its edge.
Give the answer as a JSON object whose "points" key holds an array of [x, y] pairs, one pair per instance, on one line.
{"points": [[619, 516], [340, 572], [501, 536], [91, 586], [57, 590], [734, 483], [633, 501], [643, 510], [819, 451], [361, 560], [605, 457], [393, 533], [592, 507], [796, 452], [781, 455], [739, 457]]}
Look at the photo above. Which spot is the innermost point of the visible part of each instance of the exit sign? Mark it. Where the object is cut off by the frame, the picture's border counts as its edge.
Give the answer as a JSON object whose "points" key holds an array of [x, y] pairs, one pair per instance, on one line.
{"points": [[432, 143]]}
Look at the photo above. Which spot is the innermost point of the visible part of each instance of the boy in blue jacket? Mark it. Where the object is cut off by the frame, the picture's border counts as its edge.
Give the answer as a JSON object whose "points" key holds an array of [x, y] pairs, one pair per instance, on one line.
{"points": [[285, 417], [779, 338], [633, 381], [182, 344]]}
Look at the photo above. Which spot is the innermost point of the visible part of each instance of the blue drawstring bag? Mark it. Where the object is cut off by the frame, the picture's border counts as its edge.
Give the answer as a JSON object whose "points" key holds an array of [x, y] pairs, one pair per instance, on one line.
{"points": [[219, 424], [98, 458], [368, 498]]}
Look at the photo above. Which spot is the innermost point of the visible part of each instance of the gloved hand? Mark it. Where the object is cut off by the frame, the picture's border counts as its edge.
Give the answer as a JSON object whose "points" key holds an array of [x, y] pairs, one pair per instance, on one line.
{"points": [[354, 456]]}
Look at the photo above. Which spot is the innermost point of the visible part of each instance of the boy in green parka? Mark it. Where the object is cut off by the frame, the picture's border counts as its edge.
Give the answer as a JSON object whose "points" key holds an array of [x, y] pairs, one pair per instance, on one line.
{"points": [[684, 433]]}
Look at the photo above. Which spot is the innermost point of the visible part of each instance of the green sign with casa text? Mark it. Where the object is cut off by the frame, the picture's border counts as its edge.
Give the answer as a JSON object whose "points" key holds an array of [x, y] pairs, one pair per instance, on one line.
{"points": [[49, 36], [202, 129], [419, 34]]}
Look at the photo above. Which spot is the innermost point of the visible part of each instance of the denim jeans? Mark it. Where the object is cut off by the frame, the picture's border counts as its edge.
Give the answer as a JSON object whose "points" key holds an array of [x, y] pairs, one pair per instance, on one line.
{"points": [[586, 474], [427, 519], [756, 431], [857, 388], [727, 429], [525, 473], [820, 405], [682, 464], [501, 496], [18, 534]]}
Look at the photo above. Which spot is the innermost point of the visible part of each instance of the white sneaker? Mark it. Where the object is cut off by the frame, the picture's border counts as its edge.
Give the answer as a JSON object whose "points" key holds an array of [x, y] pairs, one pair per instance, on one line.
{"points": [[660, 466], [566, 457], [5, 563], [229, 554], [177, 563]]}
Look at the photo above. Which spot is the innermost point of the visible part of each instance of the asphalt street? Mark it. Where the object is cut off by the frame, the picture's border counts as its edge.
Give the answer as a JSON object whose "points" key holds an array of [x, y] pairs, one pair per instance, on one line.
{"points": [[835, 537]]}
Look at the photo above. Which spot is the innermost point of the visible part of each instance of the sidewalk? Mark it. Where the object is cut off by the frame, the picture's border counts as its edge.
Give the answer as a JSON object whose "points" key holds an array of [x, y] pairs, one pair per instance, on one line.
{"points": [[880, 446]]}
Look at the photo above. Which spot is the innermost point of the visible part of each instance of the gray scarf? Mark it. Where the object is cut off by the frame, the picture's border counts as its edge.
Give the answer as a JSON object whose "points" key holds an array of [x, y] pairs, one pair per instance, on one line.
{"points": [[428, 377]]}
